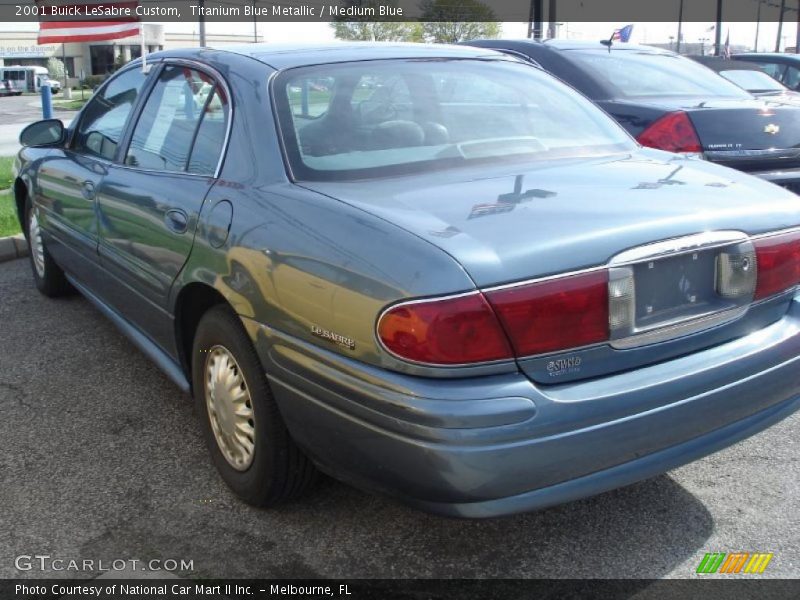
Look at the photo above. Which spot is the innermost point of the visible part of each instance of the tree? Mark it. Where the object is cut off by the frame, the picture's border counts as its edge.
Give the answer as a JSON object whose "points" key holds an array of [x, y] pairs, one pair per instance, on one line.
{"points": [[55, 68], [367, 31], [451, 21], [365, 28]]}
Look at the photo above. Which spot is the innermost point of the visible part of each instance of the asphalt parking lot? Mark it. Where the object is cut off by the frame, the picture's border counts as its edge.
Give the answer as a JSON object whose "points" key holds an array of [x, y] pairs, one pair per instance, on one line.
{"points": [[16, 112], [102, 459]]}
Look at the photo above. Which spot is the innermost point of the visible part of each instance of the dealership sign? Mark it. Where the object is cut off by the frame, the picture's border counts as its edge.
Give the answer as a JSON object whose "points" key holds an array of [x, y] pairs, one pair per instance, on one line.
{"points": [[26, 51]]}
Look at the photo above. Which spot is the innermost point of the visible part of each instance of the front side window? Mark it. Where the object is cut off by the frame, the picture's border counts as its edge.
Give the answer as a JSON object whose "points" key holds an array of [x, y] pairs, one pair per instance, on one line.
{"points": [[384, 117], [104, 118], [182, 126], [635, 74]]}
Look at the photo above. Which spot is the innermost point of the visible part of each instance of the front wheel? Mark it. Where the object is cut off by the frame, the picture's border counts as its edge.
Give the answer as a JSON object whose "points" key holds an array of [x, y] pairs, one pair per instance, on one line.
{"points": [[47, 275], [249, 443]]}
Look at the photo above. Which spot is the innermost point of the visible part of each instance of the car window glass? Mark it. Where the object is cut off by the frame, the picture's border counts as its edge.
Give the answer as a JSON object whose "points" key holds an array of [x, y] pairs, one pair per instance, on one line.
{"points": [[162, 138], [772, 69], [310, 97], [754, 81], [634, 74], [211, 134], [105, 116], [386, 117], [791, 78]]}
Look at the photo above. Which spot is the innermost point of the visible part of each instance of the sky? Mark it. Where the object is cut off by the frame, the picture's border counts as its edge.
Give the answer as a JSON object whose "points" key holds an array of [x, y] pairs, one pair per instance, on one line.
{"points": [[644, 33]]}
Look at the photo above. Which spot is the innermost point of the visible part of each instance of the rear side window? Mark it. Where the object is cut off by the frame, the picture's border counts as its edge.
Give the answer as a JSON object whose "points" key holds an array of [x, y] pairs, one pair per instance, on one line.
{"points": [[634, 74], [185, 108], [210, 138], [104, 118]]}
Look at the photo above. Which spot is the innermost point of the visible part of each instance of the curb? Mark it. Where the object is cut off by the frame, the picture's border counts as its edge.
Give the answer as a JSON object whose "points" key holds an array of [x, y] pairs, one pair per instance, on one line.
{"points": [[13, 247]]}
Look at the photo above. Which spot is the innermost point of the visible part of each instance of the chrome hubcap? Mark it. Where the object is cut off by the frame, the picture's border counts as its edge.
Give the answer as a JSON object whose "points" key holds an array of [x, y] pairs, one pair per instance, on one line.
{"points": [[36, 245], [230, 408]]}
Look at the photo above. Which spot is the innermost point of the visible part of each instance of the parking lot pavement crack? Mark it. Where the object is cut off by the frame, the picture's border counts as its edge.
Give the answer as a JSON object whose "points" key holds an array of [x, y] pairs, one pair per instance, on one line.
{"points": [[18, 393]]}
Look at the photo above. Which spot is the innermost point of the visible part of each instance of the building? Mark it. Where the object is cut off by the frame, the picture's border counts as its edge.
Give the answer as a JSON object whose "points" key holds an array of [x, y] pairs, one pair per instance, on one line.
{"points": [[100, 58]]}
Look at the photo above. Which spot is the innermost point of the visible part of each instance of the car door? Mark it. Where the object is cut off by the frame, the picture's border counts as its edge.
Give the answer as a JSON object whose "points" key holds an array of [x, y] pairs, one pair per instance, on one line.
{"points": [[149, 202], [68, 179]]}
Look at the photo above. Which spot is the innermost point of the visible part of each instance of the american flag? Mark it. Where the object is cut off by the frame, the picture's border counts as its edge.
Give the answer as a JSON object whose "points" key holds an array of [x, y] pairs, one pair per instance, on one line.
{"points": [[623, 34], [84, 28]]}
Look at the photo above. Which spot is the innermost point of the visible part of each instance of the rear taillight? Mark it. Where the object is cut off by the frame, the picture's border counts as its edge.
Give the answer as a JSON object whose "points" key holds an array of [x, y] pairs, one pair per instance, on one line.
{"points": [[567, 312], [673, 132], [538, 317], [778, 260], [554, 314], [451, 331]]}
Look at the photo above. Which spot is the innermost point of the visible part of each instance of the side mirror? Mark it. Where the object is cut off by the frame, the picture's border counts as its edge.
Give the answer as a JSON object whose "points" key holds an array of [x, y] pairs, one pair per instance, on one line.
{"points": [[49, 132]]}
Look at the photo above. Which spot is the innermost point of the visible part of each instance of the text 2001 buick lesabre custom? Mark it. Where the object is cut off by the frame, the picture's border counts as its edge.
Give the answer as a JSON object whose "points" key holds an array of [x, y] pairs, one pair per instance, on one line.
{"points": [[435, 272]]}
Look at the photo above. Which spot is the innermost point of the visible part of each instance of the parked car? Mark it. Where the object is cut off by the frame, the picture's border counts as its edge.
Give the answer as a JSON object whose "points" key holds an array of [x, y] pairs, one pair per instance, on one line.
{"points": [[432, 271], [783, 67], [750, 77], [670, 102]]}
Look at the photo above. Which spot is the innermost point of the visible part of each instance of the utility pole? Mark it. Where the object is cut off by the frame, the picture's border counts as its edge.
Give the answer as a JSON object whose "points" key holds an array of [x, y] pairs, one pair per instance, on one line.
{"points": [[680, 27], [797, 34], [718, 32], [535, 19], [552, 18], [780, 27], [202, 23], [758, 25]]}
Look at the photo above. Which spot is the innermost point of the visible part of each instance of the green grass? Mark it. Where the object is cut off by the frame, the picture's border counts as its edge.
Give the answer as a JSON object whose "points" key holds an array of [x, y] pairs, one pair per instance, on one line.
{"points": [[6, 173], [74, 104], [9, 225]]}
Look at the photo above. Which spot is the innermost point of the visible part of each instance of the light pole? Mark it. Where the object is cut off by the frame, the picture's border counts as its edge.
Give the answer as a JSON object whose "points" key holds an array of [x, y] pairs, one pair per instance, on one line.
{"points": [[255, 24]]}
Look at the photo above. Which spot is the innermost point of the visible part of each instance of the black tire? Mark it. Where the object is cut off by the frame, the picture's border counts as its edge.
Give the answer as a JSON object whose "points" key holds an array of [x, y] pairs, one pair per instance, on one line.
{"points": [[279, 470], [51, 281]]}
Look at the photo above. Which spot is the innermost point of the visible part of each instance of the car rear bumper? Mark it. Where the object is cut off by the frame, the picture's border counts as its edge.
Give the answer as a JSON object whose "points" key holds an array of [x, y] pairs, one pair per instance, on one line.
{"points": [[788, 178], [500, 444]]}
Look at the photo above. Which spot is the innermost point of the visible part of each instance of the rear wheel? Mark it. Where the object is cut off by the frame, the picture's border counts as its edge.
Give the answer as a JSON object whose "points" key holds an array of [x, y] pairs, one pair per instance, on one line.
{"points": [[249, 443], [47, 275]]}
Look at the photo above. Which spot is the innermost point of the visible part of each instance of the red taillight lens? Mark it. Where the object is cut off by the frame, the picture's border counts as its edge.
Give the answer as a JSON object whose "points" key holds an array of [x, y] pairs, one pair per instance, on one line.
{"points": [[673, 132], [778, 259], [444, 332], [555, 314]]}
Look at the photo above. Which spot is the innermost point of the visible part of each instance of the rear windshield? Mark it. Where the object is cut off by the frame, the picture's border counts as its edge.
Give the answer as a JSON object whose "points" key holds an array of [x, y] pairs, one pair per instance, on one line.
{"points": [[633, 74], [380, 118], [754, 81]]}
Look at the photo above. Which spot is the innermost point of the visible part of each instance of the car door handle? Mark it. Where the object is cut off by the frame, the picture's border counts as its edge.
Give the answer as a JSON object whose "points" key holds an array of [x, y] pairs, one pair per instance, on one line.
{"points": [[87, 190], [177, 220]]}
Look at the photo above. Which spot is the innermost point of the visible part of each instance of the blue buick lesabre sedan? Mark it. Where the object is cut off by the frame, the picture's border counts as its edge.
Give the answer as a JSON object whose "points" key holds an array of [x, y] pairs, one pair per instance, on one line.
{"points": [[435, 272]]}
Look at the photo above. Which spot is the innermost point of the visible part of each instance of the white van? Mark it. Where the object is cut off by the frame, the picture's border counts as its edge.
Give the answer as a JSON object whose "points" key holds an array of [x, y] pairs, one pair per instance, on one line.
{"points": [[16, 79]]}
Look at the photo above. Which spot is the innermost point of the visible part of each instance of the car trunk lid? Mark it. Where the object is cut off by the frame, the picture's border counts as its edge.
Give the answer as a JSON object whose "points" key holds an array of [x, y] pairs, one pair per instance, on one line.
{"points": [[512, 224]]}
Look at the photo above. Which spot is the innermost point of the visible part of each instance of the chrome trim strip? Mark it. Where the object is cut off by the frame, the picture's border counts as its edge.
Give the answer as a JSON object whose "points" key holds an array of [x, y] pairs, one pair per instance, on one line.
{"points": [[687, 327], [678, 246]]}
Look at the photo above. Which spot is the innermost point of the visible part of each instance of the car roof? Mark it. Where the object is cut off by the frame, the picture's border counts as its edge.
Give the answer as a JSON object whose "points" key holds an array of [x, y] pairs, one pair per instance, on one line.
{"points": [[719, 63], [559, 44], [285, 56], [757, 55]]}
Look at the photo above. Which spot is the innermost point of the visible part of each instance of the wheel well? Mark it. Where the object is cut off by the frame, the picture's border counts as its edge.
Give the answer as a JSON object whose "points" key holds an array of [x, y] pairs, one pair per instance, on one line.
{"points": [[20, 195], [193, 302]]}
